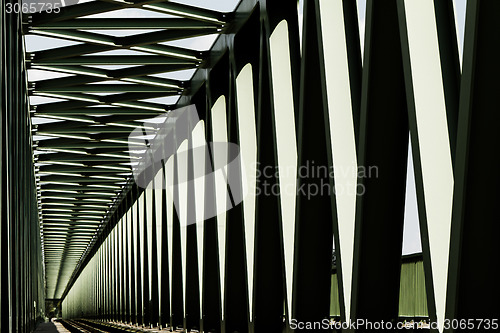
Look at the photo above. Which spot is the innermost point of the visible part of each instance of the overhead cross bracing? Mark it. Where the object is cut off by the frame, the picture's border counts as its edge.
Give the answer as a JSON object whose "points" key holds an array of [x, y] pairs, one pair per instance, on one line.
{"points": [[107, 76]]}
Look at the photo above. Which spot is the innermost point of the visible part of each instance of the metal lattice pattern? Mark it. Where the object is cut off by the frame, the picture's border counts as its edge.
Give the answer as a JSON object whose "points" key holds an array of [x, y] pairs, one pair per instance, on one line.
{"points": [[82, 157]]}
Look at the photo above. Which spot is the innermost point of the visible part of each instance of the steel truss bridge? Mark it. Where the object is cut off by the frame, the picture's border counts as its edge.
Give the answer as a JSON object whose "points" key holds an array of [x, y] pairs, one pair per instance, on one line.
{"points": [[189, 244]]}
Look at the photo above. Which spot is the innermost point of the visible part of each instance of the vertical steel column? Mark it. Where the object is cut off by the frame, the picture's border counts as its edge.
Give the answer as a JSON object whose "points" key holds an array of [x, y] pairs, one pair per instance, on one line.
{"points": [[103, 281], [119, 267], [164, 262], [4, 296], [218, 87], [316, 206], [383, 144], [177, 274], [246, 70], [280, 77], [155, 306], [125, 261], [13, 209], [126, 258], [133, 267], [113, 272], [237, 300], [99, 285], [192, 314], [109, 277], [473, 283], [428, 40], [146, 319], [450, 65], [211, 295], [139, 266], [269, 292]]}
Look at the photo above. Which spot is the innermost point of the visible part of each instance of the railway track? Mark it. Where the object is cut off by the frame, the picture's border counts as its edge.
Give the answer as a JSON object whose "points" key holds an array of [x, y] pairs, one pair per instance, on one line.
{"points": [[94, 326]]}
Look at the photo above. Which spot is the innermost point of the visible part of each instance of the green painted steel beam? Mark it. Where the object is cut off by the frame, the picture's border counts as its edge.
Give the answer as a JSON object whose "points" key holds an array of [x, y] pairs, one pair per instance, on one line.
{"points": [[66, 82], [83, 194], [76, 70], [85, 100], [71, 12], [95, 126], [83, 231], [97, 111], [72, 223], [109, 88], [70, 232], [51, 190], [118, 98], [71, 229], [58, 235], [69, 51], [73, 198], [68, 256], [84, 165], [64, 238], [54, 165], [80, 36], [188, 11], [66, 105], [96, 7], [61, 129], [78, 144], [54, 243], [83, 180], [126, 23], [103, 212], [72, 253], [89, 170], [75, 210], [171, 51], [93, 150], [126, 119], [83, 49], [115, 60], [61, 237], [151, 69], [114, 136], [89, 228], [64, 204], [87, 8], [56, 246], [163, 36], [125, 41], [77, 180], [72, 96], [78, 119], [44, 85], [80, 170]]}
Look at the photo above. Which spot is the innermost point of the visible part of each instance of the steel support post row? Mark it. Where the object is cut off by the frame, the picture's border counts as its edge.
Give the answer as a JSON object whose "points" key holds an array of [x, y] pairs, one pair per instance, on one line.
{"points": [[473, 287], [21, 268]]}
